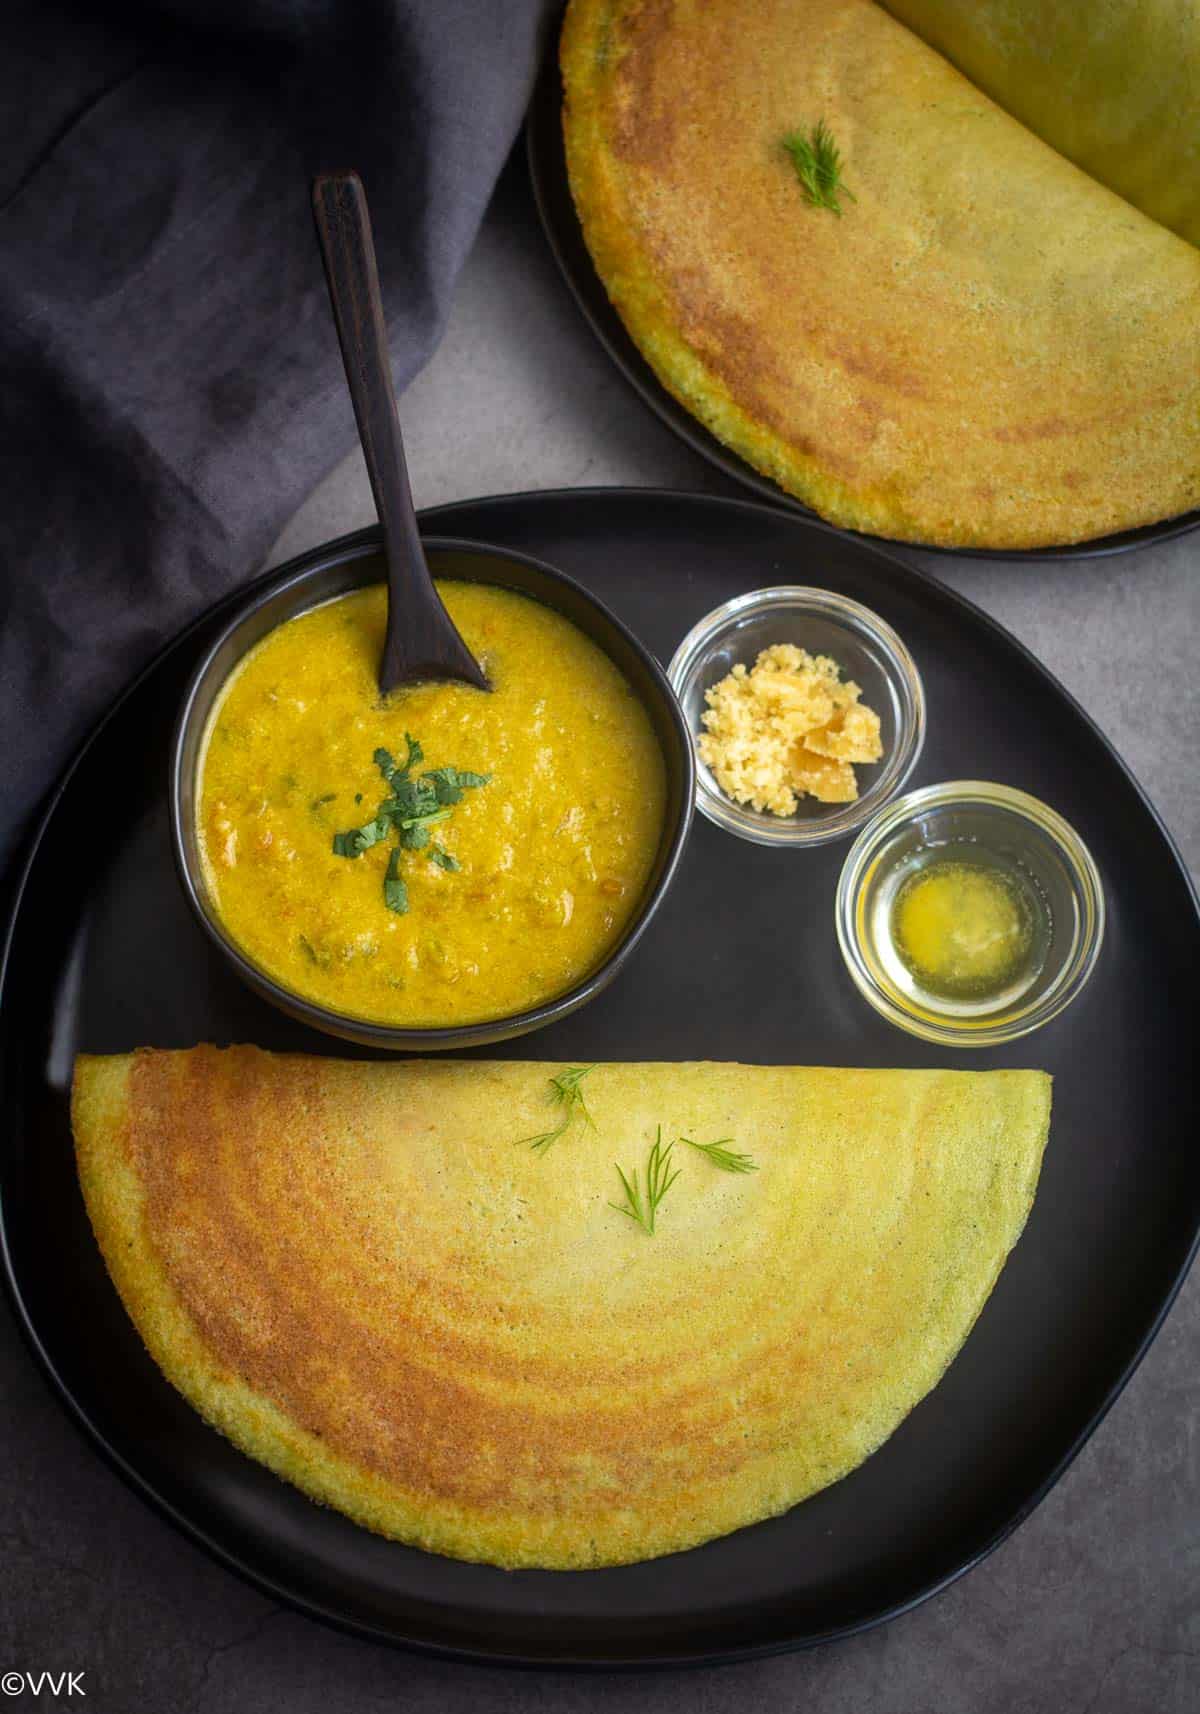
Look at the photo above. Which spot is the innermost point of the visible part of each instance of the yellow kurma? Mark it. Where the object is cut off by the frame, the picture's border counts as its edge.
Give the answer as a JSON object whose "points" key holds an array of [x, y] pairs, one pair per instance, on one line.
{"points": [[517, 895]]}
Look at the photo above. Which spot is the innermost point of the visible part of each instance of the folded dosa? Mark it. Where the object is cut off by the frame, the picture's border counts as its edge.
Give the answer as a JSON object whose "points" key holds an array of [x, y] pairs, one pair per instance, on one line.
{"points": [[359, 1274], [989, 348], [1114, 86]]}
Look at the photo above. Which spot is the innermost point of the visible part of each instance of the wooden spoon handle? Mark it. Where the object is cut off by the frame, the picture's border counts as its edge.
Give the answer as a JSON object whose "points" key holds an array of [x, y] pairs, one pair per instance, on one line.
{"points": [[421, 639]]}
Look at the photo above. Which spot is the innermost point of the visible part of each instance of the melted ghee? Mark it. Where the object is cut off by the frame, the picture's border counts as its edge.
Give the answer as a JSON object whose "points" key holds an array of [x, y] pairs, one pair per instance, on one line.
{"points": [[962, 928], [553, 854]]}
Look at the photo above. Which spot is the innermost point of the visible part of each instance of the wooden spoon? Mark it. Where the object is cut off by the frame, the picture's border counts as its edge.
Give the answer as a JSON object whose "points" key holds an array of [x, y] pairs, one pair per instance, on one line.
{"points": [[422, 641]]}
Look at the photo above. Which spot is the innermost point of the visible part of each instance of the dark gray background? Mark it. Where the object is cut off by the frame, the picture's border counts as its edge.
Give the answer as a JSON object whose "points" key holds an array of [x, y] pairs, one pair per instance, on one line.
{"points": [[1091, 1607]]}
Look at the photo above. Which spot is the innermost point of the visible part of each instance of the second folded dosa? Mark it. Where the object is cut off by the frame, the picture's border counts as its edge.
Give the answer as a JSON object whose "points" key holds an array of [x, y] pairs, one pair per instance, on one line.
{"points": [[989, 348]]}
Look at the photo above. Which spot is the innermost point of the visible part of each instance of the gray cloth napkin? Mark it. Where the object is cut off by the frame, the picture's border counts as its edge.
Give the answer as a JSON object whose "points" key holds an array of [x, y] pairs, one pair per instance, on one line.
{"points": [[171, 381]]}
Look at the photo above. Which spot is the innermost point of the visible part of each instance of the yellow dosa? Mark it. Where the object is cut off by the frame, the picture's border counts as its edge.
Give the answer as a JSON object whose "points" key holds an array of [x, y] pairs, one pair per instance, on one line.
{"points": [[989, 348], [1114, 85], [359, 1274]]}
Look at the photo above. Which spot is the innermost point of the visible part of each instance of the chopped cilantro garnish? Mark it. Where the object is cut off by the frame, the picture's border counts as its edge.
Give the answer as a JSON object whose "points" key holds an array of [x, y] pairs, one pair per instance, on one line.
{"points": [[445, 785], [395, 893], [414, 833], [360, 839], [409, 798], [412, 809]]}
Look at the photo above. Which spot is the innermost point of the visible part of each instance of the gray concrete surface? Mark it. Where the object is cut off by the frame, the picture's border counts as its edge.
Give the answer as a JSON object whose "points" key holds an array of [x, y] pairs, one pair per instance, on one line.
{"points": [[1091, 1608]]}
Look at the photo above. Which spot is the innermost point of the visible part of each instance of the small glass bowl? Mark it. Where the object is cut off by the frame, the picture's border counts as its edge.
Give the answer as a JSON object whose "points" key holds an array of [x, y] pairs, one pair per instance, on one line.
{"points": [[1022, 832], [867, 650]]}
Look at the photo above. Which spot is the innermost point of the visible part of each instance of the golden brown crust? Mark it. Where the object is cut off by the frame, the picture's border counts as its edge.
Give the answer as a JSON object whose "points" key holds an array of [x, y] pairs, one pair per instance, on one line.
{"points": [[987, 349], [353, 1272]]}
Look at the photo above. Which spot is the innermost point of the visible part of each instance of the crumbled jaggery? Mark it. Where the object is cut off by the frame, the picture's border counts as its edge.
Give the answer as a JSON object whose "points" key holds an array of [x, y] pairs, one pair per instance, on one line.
{"points": [[790, 727]]}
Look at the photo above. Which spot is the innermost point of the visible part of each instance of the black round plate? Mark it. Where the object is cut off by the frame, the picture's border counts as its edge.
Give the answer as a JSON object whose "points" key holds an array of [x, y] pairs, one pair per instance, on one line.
{"points": [[552, 193], [740, 963]]}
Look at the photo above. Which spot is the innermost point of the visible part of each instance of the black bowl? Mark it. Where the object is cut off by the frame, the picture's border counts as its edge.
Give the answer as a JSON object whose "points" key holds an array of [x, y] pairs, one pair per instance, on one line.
{"points": [[332, 570]]}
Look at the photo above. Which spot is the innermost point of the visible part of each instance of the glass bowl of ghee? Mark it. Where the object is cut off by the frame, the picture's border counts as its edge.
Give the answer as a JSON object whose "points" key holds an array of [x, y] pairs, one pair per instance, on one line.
{"points": [[969, 913]]}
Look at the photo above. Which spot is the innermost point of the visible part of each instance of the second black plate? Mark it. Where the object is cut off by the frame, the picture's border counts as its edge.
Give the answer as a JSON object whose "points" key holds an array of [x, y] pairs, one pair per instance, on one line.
{"points": [[741, 963], [552, 193]]}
